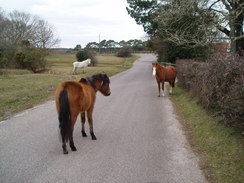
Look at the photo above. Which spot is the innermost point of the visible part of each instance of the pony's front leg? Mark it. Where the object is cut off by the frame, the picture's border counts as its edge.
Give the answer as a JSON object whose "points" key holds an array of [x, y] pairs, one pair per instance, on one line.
{"points": [[159, 92], [74, 68], [90, 121], [83, 120]]}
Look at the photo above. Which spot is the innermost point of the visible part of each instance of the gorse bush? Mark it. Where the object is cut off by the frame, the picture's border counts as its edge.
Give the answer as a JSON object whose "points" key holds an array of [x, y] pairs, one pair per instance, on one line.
{"points": [[124, 52], [35, 61], [82, 55], [32, 59], [19, 57], [85, 54], [218, 84]]}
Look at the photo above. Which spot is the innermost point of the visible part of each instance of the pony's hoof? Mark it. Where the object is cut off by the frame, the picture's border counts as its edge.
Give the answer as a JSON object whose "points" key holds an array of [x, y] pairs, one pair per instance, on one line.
{"points": [[73, 148], [65, 151], [93, 136], [84, 134]]}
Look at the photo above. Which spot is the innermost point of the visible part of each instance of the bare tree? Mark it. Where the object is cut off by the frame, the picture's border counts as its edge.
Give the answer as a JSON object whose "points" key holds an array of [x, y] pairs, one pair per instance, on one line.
{"points": [[231, 12], [3, 25], [197, 22], [21, 26], [44, 36]]}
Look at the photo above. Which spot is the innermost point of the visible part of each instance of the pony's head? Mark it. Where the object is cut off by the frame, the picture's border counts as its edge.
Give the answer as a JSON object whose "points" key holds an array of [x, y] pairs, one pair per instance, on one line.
{"points": [[154, 66], [99, 82], [104, 89], [89, 61]]}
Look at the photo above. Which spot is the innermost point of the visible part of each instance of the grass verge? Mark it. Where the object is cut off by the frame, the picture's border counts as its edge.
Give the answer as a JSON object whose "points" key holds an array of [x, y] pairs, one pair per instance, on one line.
{"points": [[21, 89], [220, 147]]}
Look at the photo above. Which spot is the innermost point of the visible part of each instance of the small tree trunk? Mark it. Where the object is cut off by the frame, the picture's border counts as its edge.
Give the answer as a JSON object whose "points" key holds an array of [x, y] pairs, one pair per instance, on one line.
{"points": [[236, 27]]}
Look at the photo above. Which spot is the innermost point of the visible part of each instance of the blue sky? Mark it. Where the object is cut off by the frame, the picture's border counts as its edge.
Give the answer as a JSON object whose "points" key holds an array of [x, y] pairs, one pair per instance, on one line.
{"points": [[81, 21]]}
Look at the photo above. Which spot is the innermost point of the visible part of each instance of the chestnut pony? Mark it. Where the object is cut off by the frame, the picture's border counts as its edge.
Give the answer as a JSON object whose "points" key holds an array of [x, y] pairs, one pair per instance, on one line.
{"points": [[164, 74], [73, 98]]}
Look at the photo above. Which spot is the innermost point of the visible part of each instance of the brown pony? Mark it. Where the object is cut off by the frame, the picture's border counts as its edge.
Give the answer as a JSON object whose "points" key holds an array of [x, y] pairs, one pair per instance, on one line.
{"points": [[73, 98], [164, 74]]}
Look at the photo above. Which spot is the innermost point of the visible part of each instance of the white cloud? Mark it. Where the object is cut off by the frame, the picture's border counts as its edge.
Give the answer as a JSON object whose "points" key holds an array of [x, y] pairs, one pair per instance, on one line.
{"points": [[81, 21]]}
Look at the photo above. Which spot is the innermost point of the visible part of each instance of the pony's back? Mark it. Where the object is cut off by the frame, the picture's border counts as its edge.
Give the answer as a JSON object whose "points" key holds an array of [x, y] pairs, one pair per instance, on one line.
{"points": [[170, 72]]}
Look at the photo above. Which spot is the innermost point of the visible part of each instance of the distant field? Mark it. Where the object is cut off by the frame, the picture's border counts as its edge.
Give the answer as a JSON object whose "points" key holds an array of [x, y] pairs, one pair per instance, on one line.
{"points": [[21, 89], [106, 63]]}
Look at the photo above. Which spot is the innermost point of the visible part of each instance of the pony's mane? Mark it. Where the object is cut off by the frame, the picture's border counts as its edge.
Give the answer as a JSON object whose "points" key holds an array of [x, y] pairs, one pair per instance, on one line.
{"points": [[91, 80]]}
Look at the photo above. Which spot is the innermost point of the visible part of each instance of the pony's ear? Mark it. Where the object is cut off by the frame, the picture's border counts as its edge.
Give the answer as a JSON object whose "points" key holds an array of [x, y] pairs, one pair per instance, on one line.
{"points": [[83, 80]]}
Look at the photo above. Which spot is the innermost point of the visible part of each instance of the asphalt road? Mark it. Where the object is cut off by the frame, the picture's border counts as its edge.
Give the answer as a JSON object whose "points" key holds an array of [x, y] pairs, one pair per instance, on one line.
{"points": [[139, 140]]}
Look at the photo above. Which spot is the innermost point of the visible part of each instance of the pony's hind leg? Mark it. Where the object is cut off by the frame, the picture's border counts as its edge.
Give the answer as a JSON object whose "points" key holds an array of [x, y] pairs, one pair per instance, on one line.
{"points": [[74, 69], [172, 84], [170, 90], [163, 88], [71, 141], [83, 120], [90, 121], [65, 151]]}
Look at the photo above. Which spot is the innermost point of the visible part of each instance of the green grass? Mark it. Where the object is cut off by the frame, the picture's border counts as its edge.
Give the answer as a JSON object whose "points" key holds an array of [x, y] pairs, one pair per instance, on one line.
{"points": [[220, 147], [21, 89], [106, 63]]}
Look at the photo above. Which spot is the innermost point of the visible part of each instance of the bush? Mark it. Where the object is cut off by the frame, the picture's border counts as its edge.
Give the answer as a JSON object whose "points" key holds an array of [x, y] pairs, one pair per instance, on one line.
{"points": [[85, 54], [170, 52], [19, 57], [125, 51], [5, 57], [82, 55], [218, 84], [34, 60]]}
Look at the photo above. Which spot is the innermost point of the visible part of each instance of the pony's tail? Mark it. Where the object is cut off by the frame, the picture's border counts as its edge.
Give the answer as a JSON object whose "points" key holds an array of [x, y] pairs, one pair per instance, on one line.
{"points": [[64, 115]]}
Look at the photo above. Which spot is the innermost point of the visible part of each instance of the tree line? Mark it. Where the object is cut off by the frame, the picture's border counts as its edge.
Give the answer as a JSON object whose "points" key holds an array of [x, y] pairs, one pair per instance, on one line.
{"points": [[111, 46], [185, 28], [24, 40]]}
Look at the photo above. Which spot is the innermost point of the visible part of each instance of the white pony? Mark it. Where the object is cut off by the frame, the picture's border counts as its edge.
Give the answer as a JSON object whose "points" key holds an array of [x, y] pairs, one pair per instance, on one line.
{"points": [[82, 64]]}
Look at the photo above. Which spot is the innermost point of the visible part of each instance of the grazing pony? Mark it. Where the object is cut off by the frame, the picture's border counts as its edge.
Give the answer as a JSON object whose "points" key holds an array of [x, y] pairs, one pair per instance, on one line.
{"points": [[164, 74], [82, 64], [73, 98]]}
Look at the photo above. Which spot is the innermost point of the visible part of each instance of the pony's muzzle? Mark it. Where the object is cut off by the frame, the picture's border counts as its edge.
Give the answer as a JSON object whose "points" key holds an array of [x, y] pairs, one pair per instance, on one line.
{"points": [[109, 93]]}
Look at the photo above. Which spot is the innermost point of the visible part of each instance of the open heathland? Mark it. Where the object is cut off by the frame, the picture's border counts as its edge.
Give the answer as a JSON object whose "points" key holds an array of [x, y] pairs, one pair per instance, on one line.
{"points": [[21, 89]]}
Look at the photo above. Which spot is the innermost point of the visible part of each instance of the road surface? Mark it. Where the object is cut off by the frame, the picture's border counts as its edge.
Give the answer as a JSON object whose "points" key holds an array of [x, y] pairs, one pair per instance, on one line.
{"points": [[139, 139]]}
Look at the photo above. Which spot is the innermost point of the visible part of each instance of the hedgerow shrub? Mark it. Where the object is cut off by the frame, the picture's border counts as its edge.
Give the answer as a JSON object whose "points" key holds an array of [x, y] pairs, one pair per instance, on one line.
{"points": [[19, 57], [218, 84], [34, 60], [125, 51], [170, 52]]}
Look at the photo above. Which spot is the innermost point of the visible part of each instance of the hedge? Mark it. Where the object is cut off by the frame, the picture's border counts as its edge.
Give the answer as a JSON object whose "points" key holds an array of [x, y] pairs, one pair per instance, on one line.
{"points": [[218, 84]]}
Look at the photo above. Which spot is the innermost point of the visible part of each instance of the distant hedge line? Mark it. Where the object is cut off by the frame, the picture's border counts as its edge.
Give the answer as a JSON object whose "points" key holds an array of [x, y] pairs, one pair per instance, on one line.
{"points": [[218, 85]]}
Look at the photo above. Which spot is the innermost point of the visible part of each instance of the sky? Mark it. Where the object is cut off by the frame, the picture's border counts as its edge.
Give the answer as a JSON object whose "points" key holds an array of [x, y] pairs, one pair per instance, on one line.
{"points": [[82, 21]]}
